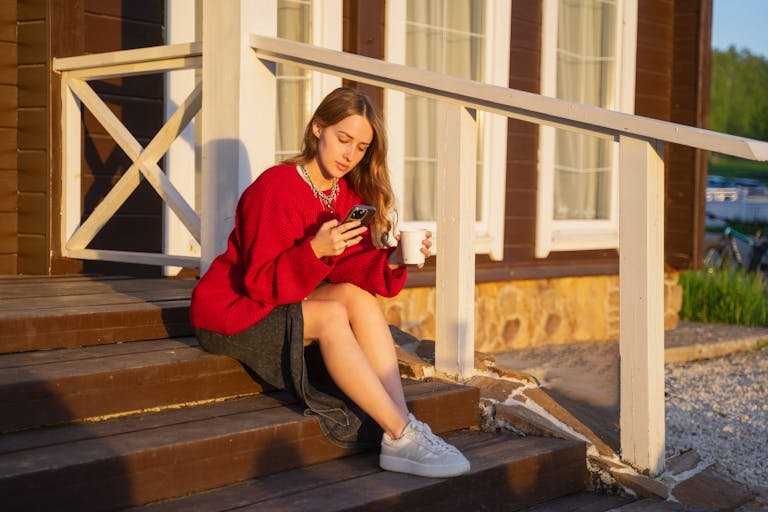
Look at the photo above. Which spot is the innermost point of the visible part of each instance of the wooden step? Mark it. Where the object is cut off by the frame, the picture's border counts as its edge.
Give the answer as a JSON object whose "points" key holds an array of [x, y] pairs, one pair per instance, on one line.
{"points": [[57, 386], [40, 313], [138, 459], [592, 502], [508, 473]]}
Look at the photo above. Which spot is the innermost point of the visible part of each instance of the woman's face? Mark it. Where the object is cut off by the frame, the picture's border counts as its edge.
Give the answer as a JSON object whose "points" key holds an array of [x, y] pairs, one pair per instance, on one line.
{"points": [[341, 146]]}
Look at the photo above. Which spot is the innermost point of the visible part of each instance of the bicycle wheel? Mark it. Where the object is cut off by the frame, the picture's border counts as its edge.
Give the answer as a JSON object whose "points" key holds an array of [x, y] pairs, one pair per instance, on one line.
{"points": [[717, 255]]}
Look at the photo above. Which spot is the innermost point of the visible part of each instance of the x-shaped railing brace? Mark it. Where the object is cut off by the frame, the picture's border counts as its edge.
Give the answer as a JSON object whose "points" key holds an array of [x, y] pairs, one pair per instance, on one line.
{"points": [[144, 163]]}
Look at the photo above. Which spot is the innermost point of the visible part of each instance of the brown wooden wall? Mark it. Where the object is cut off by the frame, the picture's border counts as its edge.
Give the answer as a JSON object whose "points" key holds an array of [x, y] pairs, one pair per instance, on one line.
{"points": [[8, 139], [363, 29], [687, 177], [672, 84], [33, 154], [93, 26]]}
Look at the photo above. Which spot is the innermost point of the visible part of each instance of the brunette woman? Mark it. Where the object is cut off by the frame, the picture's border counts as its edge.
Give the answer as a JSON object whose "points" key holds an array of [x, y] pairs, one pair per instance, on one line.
{"points": [[292, 271]]}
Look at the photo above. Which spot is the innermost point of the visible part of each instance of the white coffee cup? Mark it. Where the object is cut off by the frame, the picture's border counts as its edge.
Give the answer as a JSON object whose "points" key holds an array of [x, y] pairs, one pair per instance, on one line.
{"points": [[411, 243]]}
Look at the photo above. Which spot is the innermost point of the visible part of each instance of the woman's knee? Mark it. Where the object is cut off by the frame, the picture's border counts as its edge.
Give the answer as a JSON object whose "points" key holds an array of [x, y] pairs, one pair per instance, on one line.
{"points": [[355, 297], [324, 317]]}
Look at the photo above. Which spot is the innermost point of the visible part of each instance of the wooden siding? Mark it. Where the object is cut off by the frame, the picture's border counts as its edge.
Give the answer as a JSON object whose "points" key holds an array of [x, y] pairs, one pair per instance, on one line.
{"points": [[104, 26], [8, 139], [690, 105], [33, 156], [673, 67], [671, 84], [522, 140], [363, 34]]}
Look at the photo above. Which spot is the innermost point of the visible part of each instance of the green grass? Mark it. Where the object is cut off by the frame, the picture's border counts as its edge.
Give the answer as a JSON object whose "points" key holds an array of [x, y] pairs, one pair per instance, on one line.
{"points": [[723, 296], [731, 167]]}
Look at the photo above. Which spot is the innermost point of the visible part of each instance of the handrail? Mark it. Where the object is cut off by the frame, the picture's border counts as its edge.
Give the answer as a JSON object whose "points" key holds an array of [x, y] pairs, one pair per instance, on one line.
{"points": [[522, 105], [125, 57], [154, 59]]}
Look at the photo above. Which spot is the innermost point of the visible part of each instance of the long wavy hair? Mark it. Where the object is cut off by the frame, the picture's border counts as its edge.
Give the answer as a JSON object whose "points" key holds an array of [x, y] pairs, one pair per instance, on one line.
{"points": [[370, 178]]}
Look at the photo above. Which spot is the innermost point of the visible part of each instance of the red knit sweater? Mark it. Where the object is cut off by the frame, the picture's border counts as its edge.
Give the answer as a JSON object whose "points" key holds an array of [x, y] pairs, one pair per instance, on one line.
{"points": [[269, 260]]}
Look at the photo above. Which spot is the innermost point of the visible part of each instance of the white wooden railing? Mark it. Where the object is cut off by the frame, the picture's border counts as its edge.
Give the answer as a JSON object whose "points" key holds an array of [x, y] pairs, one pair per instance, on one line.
{"points": [[641, 214], [239, 109], [75, 91]]}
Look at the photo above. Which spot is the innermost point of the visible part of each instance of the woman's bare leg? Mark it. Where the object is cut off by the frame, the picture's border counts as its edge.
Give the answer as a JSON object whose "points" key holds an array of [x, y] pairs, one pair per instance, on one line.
{"points": [[348, 365], [372, 334]]}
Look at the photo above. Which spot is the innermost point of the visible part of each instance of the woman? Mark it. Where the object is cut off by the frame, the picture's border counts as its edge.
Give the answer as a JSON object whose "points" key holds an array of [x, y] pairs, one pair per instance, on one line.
{"points": [[293, 271]]}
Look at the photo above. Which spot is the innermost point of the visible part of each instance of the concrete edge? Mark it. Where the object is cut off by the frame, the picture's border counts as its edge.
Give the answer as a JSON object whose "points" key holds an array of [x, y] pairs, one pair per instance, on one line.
{"points": [[699, 351]]}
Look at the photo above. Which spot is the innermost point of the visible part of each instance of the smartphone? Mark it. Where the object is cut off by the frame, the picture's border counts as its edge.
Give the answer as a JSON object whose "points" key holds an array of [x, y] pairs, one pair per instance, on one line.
{"points": [[361, 212]]}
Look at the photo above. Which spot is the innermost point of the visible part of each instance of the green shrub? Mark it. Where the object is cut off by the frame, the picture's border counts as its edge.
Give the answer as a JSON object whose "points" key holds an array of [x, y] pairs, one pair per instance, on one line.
{"points": [[724, 296]]}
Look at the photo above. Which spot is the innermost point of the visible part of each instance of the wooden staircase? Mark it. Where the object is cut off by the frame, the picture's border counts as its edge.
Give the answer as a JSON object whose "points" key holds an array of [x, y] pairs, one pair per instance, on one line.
{"points": [[98, 415]]}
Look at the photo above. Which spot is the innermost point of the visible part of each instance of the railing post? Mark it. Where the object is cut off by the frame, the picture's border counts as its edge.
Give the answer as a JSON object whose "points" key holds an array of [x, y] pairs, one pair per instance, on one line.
{"points": [[641, 333], [180, 158], [455, 197], [71, 133], [238, 139]]}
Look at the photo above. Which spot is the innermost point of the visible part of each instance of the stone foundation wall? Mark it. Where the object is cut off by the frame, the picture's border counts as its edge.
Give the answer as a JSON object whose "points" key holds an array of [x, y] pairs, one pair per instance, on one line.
{"points": [[527, 313]]}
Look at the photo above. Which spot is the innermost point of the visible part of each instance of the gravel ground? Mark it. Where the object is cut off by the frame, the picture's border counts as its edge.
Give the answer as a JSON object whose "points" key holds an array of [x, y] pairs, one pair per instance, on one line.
{"points": [[719, 407]]}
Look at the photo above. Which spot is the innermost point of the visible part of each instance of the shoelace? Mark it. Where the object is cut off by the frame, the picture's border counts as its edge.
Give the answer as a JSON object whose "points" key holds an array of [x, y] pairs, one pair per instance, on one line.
{"points": [[431, 438]]}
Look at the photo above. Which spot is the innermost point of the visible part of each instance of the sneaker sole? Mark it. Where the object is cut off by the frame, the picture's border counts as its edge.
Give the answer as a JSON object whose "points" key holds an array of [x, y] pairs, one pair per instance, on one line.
{"points": [[401, 465]]}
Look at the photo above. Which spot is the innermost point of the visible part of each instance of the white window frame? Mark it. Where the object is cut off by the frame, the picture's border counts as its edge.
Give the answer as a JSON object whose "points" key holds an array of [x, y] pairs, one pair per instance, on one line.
{"points": [[578, 235], [327, 32], [489, 231]]}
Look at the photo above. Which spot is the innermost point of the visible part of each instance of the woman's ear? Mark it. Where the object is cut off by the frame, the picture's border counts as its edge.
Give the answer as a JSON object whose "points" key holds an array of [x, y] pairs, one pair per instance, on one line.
{"points": [[316, 128]]}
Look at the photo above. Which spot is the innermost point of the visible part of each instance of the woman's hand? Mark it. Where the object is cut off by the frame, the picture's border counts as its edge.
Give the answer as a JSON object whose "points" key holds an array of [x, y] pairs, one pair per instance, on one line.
{"points": [[332, 238], [396, 258]]}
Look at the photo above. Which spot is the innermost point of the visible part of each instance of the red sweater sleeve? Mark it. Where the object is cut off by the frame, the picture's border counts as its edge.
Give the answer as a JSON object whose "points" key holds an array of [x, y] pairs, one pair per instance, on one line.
{"points": [[280, 265], [367, 267]]}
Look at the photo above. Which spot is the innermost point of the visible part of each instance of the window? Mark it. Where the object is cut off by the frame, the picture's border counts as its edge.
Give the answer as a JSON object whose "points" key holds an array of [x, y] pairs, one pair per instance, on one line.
{"points": [[300, 90], [464, 38], [587, 57], [294, 84]]}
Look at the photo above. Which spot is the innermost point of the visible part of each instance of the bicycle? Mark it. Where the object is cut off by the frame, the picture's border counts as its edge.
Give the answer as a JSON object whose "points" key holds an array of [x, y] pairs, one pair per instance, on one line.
{"points": [[725, 253]]}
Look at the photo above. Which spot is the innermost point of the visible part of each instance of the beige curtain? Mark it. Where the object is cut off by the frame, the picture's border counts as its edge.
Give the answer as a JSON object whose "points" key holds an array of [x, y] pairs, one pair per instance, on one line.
{"points": [[586, 60], [446, 36], [294, 93]]}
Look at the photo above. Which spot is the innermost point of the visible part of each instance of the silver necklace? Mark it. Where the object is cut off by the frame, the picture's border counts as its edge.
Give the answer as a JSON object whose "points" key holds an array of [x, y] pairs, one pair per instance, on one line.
{"points": [[326, 200]]}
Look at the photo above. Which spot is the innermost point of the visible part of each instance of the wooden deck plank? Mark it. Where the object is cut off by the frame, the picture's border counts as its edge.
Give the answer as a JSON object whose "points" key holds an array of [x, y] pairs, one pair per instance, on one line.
{"points": [[58, 386], [356, 483], [138, 423], [40, 306], [20, 279], [49, 312], [117, 385], [582, 502], [294, 481], [66, 434], [43, 357], [80, 285], [162, 460], [79, 326]]}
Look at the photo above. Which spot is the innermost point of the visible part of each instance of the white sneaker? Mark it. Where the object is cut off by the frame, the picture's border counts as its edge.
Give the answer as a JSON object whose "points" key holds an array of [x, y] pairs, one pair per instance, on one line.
{"points": [[420, 452]]}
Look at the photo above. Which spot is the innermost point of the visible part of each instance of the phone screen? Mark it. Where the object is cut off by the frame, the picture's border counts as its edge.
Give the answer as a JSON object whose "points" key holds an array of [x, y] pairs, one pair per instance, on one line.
{"points": [[361, 212]]}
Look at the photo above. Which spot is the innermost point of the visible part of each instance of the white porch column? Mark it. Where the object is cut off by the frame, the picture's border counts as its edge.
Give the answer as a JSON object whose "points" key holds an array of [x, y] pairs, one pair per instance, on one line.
{"points": [[641, 333], [238, 136], [179, 160], [455, 197]]}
